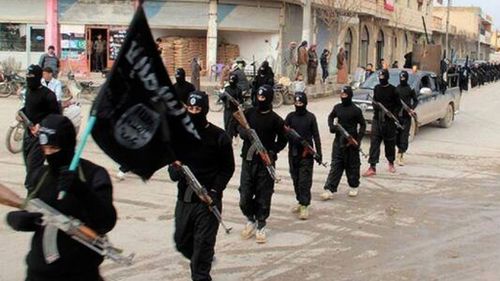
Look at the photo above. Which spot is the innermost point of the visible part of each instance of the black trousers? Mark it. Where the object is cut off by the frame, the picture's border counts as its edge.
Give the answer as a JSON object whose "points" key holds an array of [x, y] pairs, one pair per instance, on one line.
{"points": [[325, 73], [301, 171], [33, 158], [195, 234], [256, 190], [343, 159], [230, 123], [382, 131], [99, 61], [403, 135]]}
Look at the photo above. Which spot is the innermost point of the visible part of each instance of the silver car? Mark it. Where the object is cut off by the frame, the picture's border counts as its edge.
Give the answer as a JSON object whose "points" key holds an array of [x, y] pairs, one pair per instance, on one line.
{"points": [[434, 104]]}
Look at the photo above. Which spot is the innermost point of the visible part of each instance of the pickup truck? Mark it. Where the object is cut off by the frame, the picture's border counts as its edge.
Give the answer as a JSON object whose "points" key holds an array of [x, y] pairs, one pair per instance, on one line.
{"points": [[435, 104]]}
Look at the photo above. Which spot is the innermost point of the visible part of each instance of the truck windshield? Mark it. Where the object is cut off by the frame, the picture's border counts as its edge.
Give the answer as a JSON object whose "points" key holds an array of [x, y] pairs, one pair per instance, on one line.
{"points": [[372, 81]]}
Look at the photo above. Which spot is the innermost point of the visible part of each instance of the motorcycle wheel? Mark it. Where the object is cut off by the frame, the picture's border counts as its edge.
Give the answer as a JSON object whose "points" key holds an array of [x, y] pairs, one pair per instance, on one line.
{"points": [[14, 138], [215, 103], [288, 98], [5, 90], [278, 99]]}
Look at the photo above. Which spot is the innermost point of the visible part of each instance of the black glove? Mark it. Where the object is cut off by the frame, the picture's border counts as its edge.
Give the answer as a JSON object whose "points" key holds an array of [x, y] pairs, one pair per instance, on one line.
{"points": [[24, 221], [175, 173], [215, 197], [272, 155], [320, 158]]}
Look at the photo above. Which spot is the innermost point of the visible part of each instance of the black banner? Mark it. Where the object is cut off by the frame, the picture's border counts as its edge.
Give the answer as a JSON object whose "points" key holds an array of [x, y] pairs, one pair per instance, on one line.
{"points": [[139, 116]]}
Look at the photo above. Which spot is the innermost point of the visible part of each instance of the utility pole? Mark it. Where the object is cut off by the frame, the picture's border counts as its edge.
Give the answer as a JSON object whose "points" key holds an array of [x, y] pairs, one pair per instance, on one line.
{"points": [[447, 28]]}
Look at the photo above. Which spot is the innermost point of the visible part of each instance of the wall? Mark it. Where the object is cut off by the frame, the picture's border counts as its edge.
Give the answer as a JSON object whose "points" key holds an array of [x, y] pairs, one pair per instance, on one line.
{"points": [[253, 44], [22, 58], [292, 28], [465, 19]]}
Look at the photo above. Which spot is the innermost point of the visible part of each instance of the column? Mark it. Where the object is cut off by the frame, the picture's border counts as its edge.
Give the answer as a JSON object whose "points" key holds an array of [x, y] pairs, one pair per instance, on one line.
{"points": [[52, 28], [306, 21], [212, 36]]}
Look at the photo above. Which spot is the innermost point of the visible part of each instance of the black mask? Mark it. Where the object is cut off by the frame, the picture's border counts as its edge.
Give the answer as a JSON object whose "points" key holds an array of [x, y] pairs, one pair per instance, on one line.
{"points": [[60, 159], [180, 75], [301, 110], [199, 120], [383, 77], [403, 78], [34, 77], [268, 92], [57, 130], [347, 100]]}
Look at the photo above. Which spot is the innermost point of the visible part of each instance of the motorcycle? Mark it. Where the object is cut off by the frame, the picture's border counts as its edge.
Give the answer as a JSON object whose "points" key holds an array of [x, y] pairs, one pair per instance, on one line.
{"points": [[85, 89], [15, 132], [11, 84]]}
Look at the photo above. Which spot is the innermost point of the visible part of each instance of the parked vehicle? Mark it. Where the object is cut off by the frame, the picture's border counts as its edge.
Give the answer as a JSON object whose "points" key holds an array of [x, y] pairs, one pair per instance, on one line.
{"points": [[15, 132], [11, 84], [435, 104]]}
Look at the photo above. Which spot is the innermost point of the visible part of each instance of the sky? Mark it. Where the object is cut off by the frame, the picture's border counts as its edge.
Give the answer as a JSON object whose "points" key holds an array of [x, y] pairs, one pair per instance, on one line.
{"points": [[490, 7]]}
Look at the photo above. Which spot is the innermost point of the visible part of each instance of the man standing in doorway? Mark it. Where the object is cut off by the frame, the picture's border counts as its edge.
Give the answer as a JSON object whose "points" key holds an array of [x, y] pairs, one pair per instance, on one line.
{"points": [[50, 59], [99, 50]]}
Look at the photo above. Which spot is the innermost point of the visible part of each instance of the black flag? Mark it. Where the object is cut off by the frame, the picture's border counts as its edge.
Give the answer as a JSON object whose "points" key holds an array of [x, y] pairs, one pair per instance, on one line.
{"points": [[139, 117]]}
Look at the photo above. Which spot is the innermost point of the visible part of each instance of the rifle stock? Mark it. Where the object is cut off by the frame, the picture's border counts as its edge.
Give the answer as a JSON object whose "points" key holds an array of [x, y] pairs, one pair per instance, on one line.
{"points": [[410, 111], [387, 112], [307, 147], [350, 139]]}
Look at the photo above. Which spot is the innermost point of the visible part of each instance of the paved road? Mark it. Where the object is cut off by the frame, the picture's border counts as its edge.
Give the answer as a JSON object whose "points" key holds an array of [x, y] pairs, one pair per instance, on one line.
{"points": [[438, 218]]}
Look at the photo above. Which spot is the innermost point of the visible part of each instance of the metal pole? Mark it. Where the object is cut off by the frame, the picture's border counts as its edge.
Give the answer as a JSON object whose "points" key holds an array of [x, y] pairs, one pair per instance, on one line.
{"points": [[447, 27]]}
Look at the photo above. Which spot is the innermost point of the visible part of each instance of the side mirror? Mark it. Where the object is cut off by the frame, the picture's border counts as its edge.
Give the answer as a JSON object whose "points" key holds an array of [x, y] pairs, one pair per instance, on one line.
{"points": [[426, 91]]}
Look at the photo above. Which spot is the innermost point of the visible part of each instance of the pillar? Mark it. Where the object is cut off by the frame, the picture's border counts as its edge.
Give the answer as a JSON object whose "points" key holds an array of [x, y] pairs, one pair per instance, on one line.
{"points": [[306, 21], [212, 36], [52, 28]]}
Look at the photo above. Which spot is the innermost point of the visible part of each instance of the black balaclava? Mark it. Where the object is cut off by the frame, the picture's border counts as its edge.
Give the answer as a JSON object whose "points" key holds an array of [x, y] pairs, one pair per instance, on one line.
{"points": [[403, 78], [302, 97], [233, 80], [268, 92], [264, 66], [34, 77], [198, 98], [57, 130], [383, 77], [347, 101], [180, 75]]}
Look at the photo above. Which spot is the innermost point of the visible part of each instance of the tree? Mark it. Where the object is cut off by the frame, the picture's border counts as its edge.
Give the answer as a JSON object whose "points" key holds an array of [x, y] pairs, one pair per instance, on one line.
{"points": [[337, 16]]}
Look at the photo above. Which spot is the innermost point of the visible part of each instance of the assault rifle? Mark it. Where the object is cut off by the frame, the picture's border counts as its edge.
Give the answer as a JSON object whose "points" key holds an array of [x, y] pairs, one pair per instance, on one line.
{"points": [[27, 122], [386, 112], [53, 220], [308, 149], [410, 111], [350, 139], [202, 193], [257, 146]]}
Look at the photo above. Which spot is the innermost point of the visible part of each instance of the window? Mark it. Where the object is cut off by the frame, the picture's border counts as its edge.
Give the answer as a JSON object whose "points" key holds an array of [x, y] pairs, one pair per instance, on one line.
{"points": [[37, 39], [12, 37]]}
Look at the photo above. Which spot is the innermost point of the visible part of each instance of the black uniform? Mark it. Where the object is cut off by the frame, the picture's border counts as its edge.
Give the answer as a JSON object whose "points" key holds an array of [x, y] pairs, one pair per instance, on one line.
{"points": [[256, 185], [301, 163], [182, 87], [344, 156], [40, 102], [212, 163], [383, 127], [88, 198], [265, 76], [409, 97], [230, 125]]}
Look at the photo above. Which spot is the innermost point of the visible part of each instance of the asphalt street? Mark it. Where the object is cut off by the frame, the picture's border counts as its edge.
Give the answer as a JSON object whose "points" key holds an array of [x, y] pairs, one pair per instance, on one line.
{"points": [[437, 218]]}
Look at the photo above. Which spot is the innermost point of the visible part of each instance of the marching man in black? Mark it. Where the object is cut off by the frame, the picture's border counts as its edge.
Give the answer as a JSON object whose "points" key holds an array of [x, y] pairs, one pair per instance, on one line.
{"points": [[409, 97], [383, 127], [232, 89], [212, 163], [256, 184], [300, 160], [345, 154], [89, 198]]}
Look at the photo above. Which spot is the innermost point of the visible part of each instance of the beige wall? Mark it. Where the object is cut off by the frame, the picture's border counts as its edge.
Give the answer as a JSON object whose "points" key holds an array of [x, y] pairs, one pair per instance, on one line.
{"points": [[465, 19]]}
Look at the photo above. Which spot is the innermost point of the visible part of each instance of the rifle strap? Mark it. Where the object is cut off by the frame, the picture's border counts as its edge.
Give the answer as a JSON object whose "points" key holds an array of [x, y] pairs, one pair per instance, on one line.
{"points": [[37, 188]]}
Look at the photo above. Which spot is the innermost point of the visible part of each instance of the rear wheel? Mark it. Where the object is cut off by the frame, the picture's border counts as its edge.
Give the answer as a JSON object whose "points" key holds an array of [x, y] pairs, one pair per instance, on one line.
{"points": [[288, 97], [447, 120], [278, 99], [5, 90], [14, 138]]}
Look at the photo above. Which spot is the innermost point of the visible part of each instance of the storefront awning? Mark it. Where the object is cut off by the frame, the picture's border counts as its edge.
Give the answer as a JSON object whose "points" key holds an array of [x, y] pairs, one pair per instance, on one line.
{"points": [[22, 11], [177, 15], [246, 18], [73, 12]]}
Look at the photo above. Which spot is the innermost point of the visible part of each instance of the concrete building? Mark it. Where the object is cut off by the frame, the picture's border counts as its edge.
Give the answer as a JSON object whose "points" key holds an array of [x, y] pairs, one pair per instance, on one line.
{"points": [[261, 28], [473, 31]]}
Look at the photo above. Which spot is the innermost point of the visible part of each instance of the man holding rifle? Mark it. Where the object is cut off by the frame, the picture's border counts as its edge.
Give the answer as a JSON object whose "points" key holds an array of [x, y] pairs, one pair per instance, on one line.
{"points": [[300, 158], [386, 105], [409, 101], [212, 164], [88, 199], [343, 121], [263, 127]]}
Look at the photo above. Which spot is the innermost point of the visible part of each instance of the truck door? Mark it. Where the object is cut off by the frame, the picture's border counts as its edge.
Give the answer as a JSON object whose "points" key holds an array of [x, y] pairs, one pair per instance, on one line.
{"points": [[426, 108]]}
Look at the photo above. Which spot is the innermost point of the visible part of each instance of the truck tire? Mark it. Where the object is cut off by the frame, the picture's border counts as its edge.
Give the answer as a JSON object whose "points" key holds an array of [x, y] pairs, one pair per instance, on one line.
{"points": [[447, 120]]}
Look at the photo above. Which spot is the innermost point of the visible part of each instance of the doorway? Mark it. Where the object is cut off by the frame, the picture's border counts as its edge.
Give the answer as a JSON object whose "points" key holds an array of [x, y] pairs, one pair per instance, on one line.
{"points": [[97, 48]]}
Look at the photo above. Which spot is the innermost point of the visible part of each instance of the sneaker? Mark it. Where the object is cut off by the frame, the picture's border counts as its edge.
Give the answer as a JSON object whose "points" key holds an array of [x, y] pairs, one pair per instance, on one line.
{"points": [[327, 195], [370, 172], [353, 192], [248, 231], [296, 209], [400, 159], [260, 236], [304, 213], [391, 168], [120, 176]]}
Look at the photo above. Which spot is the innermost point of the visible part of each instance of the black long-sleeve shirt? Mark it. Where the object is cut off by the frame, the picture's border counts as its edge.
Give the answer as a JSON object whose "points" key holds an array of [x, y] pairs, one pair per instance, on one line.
{"points": [[388, 97], [183, 89], [92, 204], [408, 96], [349, 116], [307, 127], [40, 103], [211, 161], [270, 129], [234, 92]]}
